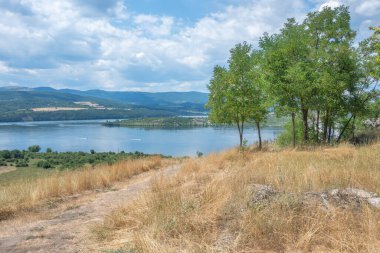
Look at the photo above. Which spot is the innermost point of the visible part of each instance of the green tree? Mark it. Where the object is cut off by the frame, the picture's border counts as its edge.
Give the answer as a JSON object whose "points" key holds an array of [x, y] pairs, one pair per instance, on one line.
{"points": [[334, 62], [286, 71], [34, 149], [230, 90], [363, 100], [313, 67], [259, 101]]}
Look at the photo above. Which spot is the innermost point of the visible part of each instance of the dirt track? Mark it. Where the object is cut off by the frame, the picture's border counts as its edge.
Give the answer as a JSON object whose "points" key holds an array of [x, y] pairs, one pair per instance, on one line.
{"points": [[67, 230]]}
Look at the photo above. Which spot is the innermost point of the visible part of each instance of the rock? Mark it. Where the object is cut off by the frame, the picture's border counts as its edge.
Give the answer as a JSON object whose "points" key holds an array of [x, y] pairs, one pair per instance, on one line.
{"points": [[352, 192], [316, 198], [351, 198], [263, 193], [374, 202]]}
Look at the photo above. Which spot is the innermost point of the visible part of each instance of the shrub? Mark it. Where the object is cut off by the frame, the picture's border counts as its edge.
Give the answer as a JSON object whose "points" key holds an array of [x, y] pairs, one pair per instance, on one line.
{"points": [[34, 149], [6, 154], [44, 164], [22, 163], [285, 138]]}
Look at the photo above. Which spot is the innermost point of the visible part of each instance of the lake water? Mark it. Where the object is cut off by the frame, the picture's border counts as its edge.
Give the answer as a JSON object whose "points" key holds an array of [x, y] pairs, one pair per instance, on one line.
{"points": [[87, 135]]}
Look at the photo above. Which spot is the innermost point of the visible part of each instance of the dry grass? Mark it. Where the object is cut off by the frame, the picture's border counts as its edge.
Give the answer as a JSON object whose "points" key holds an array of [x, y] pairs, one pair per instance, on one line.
{"points": [[206, 207], [27, 195]]}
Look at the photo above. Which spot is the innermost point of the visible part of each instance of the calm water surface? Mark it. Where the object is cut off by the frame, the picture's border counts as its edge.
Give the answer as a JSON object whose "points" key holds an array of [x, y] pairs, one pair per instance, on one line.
{"points": [[87, 135]]}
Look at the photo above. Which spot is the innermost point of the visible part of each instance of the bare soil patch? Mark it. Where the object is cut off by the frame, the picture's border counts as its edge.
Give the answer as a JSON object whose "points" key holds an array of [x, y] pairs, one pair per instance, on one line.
{"points": [[5, 169], [66, 228]]}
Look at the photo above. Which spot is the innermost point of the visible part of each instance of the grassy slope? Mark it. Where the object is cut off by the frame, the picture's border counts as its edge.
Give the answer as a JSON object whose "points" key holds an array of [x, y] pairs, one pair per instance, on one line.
{"points": [[22, 174], [27, 194], [206, 207]]}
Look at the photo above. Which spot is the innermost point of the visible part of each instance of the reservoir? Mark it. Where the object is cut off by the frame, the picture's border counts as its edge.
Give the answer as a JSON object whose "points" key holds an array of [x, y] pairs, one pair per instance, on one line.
{"points": [[87, 135]]}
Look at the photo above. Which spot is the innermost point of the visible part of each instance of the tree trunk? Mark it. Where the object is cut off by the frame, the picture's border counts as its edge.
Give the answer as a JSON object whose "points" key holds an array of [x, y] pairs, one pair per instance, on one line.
{"points": [[259, 133], [240, 135], [293, 129], [305, 125], [344, 129], [241, 130], [325, 126], [317, 126], [330, 132]]}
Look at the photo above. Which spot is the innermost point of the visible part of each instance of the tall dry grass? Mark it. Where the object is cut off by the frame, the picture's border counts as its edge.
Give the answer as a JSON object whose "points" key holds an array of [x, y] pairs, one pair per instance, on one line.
{"points": [[27, 195], [206, 207]]}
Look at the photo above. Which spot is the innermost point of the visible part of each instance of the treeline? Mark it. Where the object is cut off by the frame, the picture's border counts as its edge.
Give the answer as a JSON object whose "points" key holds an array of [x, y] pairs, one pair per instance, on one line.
{"points": [[32, 157], [309, 71], [28, 115], [166, 122]]}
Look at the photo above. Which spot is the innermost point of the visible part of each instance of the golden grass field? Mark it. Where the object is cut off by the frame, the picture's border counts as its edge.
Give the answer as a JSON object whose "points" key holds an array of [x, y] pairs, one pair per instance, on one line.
{"points": [[206, 206], [27, 195]]}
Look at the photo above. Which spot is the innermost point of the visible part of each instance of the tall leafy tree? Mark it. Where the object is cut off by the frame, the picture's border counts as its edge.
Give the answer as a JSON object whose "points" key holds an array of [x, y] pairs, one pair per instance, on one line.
{"points": [[334, 63], [287, 72], [363, 100], [258, 96], [229, 90], [236, 94]]}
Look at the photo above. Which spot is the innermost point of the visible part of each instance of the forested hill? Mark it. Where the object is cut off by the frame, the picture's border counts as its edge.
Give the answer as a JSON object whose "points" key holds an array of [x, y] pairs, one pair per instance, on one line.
{"points": [[45, 103]]}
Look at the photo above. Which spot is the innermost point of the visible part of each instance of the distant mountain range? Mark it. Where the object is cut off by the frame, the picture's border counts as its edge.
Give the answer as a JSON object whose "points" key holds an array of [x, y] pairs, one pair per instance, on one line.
{"points": [[45, 103]]}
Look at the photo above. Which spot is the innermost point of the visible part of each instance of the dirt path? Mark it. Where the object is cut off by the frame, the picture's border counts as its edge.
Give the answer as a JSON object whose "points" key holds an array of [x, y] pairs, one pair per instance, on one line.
{"points": [[5, 169], [68, 230]]}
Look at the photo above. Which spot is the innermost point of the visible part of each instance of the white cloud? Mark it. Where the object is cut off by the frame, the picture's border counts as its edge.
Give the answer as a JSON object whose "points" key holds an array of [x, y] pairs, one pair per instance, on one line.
{"points": [[154, 25], [101, 44], [3, 67], [331, 4], [368, 8]]}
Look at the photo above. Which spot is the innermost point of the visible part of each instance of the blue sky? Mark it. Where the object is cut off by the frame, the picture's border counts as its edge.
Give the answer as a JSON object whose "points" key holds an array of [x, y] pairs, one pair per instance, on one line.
{"points": [[141, 45]]}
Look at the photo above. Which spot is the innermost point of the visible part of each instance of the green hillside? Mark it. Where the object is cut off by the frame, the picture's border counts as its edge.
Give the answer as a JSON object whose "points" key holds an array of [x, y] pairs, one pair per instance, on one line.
{"points": [[44, 103]]}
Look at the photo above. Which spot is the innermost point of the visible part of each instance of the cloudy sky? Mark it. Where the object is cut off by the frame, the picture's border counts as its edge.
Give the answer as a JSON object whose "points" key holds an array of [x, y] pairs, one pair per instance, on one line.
{"points": [[144, 45]]}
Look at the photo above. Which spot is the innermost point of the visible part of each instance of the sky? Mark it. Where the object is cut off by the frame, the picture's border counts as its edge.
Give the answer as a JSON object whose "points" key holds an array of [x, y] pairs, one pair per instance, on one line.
{"points": [[141, 45]]}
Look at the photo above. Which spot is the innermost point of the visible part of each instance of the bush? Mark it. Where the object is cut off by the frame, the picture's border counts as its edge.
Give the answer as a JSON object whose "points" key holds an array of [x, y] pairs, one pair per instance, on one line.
{"points": [[285, 138], [49, 150], [5, 154], [34, 149], [22, 163], [44, 164]]}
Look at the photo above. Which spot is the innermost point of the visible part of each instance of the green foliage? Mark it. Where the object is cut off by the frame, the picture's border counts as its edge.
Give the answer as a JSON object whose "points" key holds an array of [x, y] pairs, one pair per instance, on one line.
{"points": [[34, 148], [49, 150], [64, 160], [285, 138], [17, 105], [22, 163], [237, 94], [12, 155], [44, 164], [167, 122], [312, 67]]}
